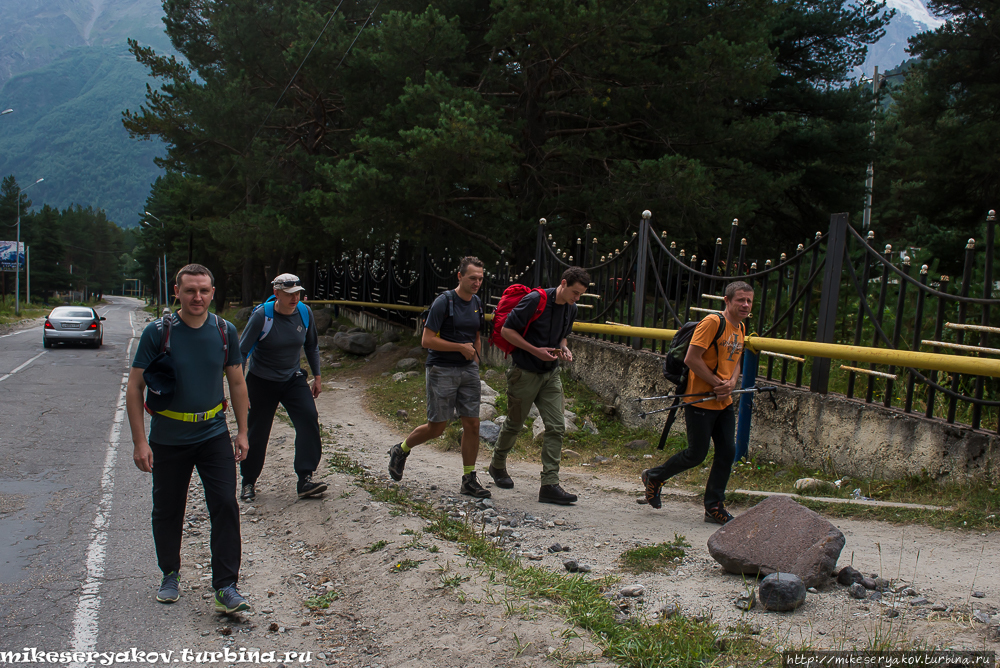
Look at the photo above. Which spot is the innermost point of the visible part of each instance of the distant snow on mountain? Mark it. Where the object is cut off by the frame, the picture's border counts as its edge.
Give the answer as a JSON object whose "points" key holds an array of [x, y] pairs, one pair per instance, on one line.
{"points": [[916, 10]]}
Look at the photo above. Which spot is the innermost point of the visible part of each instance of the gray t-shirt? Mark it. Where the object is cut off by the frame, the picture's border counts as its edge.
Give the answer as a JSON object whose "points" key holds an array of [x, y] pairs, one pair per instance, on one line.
{"points": [[197, 355], [277, 357], [462, 328], [552, 326]]}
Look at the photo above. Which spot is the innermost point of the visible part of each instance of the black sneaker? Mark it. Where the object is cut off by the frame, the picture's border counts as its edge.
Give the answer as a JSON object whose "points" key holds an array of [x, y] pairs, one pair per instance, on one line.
{"points": [[248, 492], [471, 487], [307, 487], [717, 514], [500, 477], [397, 461], [652, 490], [228, 601], [555, 494], [170, 588]]}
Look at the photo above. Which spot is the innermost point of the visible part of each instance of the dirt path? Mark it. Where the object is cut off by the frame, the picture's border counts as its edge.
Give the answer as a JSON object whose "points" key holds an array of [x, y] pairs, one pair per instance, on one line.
{"points": [[444, 612]]}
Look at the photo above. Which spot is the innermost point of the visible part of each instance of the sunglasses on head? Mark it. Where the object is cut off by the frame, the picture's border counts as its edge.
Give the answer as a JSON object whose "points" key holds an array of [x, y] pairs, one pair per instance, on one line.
{"points": [[287, 284]]}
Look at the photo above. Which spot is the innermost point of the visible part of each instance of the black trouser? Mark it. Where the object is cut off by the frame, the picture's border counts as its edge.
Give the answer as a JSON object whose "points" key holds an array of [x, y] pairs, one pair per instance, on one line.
{"points": [[294, 394], [216, 463], [703, 425]]}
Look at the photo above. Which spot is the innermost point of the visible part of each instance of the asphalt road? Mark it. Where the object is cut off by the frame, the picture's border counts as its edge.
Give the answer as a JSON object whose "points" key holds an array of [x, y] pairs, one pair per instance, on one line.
{"points": [[77, 568]]}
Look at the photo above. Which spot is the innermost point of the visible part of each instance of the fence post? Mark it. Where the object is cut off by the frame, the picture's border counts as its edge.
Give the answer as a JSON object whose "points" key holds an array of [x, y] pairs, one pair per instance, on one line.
{"points": [[639, 298], [826, 322], [539, 240], [750, 363]]}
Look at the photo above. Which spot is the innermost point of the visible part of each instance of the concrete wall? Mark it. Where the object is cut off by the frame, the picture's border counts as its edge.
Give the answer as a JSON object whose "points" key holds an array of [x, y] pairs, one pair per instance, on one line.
{"points": [[827, 432]]}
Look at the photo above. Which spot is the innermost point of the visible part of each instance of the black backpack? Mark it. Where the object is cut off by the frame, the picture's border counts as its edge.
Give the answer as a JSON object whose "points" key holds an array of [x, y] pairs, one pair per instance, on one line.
{"points": [[674, 368], [450, 296]]}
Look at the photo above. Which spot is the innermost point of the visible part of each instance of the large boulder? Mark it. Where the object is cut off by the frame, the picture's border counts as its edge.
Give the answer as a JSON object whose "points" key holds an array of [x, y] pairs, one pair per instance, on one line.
{"points": [[489, 431], [327, 342], [417, 352], [324, 318], [781, 592], [779, 535], [487, 412], [537, 428], [356, 343], [487, 394], [391, 336], [407, 363]]}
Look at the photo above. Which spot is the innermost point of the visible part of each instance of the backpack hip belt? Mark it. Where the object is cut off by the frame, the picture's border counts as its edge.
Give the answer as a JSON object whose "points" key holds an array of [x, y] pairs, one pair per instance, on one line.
{"points": [[192, 417]]}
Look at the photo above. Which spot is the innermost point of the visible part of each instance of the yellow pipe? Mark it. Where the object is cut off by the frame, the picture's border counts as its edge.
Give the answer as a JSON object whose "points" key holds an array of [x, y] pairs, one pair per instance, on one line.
{"points": [[973, 366], [391, 307]]}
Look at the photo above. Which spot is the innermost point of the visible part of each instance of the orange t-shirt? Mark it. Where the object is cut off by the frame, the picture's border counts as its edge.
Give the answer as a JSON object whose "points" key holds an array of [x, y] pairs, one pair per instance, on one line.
{"points": [[727, 358]]}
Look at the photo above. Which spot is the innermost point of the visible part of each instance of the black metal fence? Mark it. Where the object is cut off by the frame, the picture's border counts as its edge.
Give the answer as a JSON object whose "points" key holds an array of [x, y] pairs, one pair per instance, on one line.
{"points": [[837, 287]]}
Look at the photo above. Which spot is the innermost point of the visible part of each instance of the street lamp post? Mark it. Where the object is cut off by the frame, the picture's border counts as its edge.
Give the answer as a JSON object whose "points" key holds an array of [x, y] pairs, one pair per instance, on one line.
{"points": [[166, 297], [17, 250]]}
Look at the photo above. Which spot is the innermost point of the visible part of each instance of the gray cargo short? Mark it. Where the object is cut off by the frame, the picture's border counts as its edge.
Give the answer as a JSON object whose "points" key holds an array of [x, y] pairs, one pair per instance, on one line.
{"points": [[452, 390]]}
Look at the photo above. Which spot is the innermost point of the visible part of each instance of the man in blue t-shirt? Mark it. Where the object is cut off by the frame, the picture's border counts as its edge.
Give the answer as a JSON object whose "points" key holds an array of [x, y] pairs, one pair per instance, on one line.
{"points": [[186, 354], [451, 333], [275, 376]]}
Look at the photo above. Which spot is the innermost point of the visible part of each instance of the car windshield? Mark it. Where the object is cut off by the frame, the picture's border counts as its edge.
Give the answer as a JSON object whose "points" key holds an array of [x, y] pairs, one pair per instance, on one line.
{"points": [[72, 313]]}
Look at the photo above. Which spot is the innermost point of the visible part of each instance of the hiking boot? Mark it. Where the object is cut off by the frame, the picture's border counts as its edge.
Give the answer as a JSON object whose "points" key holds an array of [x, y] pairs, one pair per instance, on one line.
{"points": [[307, 487], [170, 588], [652, 490], [555, 494], [500, 477], [228, 601], [248, 492], [717, 514], [471, 487], [397, 462]]}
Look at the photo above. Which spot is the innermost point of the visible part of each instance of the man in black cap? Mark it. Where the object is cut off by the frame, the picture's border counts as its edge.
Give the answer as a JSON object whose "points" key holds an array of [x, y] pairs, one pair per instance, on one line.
{"points": [[186, 354]]}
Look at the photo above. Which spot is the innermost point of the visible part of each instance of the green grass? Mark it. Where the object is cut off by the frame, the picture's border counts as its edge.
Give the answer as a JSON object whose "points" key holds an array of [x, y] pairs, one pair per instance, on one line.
{"points": [[376, 546], [323, 601], [405, 565], [655, 558]]}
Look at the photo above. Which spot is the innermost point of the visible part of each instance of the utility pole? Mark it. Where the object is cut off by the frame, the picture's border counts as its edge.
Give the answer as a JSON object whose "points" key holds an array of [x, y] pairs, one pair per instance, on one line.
{"points": [[866, 219], [17, 251]]}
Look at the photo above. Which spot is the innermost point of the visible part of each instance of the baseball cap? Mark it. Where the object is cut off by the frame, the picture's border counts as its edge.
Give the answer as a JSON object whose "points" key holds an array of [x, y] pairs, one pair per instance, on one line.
{"points": [[288, 283]]}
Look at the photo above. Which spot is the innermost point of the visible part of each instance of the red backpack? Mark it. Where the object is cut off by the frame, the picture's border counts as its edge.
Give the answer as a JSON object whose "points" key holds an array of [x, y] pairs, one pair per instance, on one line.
{"points": [[511, 297]]}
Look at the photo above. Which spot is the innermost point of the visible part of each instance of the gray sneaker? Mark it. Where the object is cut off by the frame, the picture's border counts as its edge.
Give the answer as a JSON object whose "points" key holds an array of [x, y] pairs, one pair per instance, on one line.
{"points": [[170, 588], [228, 601]]}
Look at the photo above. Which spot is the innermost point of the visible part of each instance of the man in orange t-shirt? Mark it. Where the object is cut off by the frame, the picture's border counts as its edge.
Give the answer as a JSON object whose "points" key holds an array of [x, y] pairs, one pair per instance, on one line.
{"points": [[714, 369]]}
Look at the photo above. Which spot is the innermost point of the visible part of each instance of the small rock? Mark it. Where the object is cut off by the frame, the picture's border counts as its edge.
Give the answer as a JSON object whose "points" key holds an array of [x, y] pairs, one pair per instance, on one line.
{"points": [[533, 412], [486, 412], [416, 352], [555, 547], [492, 640], [857, 590], [407, 363], [412, 374], [892, 612], [812, 590], [535, 557], [402, 414], [639, 444], [336, 365], [909, 591], [572, 454], [978, 594], [399, 377], [584, 568], [981, 617], [571, 565], [781, 592], [939, 607], [848, 576], [869, 583], [486, 393], [919, 600], [875, 596], [559, 523], [489, 431], [669, 610], [599, 459], [811, 484], [881, 584], [635, 590], [385, 348], [267, 611], [746, 602], [273, 627]]}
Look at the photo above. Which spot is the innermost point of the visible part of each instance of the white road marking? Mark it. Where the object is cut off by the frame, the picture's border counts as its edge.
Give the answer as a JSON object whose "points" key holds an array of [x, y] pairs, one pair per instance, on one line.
{"points": [[22, 331], [85, 620], [6, 376]]}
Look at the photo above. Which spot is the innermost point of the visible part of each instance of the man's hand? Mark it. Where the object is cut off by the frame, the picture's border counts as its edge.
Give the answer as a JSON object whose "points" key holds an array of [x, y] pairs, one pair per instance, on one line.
{"points": [[565, 354], [142, 455], [468, 350], [240, 447], [726, 387], [546, 354], [317, 386]]}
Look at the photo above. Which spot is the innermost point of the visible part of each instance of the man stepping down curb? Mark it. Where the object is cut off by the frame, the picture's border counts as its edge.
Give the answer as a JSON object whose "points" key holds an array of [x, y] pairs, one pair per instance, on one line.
{"points": [[452, 335], [275, 376], [533, 378], [184, 356], [714, 367]]}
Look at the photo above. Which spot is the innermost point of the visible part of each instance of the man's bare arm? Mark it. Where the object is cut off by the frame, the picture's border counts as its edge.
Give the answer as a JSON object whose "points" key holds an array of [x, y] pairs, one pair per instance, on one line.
{"points": [[142, 455]]}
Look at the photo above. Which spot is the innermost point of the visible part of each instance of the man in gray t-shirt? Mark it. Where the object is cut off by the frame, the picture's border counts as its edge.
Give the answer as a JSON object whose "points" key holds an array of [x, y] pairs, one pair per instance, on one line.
{"points": [[451, 333], [272, 342]]}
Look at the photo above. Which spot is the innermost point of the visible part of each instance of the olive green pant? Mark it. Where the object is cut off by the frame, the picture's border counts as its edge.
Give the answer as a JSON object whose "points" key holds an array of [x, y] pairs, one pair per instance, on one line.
{"points": [[545, 391]]}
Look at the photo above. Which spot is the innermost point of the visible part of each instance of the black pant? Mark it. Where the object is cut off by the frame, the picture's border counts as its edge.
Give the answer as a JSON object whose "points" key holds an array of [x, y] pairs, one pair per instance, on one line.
{"points": [[294, 394], [216, 463], [702, 425]]}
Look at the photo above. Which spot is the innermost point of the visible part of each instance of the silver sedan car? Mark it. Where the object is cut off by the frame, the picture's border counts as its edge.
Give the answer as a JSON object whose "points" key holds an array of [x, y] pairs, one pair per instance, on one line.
{"points": [[73, 324]]}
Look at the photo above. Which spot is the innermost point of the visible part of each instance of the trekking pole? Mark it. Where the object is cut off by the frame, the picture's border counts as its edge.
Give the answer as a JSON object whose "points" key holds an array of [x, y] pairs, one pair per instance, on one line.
{"points": [[673, 396], [711, 398]]}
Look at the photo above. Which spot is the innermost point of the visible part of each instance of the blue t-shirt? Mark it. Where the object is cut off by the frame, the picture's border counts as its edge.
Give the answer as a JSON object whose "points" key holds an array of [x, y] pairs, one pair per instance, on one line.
{"points": [[462, 328], [198, 363]]}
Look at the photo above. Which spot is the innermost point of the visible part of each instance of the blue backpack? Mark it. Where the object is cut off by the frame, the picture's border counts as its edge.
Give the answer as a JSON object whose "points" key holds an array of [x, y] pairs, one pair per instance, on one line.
{"points": [[268, 307]]}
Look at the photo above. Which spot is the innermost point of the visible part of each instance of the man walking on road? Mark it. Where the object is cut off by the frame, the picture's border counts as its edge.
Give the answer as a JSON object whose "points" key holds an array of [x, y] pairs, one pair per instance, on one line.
{"points": [[181, 358], [452, 334], [534, 378], [713, 357], [276, 334]]}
